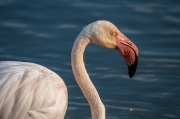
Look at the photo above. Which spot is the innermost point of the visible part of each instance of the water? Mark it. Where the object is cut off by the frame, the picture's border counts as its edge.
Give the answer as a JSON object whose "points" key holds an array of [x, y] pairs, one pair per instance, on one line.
{"points": [[43, 32]]}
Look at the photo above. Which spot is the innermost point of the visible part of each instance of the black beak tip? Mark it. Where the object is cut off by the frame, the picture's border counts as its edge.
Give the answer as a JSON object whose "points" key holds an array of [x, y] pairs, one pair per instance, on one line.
{"points": [[132, 68], [131, 75]]}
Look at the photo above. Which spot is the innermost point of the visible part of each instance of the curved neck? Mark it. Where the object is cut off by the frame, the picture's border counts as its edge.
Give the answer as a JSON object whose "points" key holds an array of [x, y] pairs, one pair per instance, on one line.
{"points": [[83, 80]]}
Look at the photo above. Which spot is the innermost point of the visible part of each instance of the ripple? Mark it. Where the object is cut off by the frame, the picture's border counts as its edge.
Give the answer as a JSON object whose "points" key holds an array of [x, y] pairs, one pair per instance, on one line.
{"points": [[16, 58], [111, 76], [169, 115], [50, 55], [160, 53], [125, 108], [76, 103], [94, 5], [141, 8], [28, 32], [175, 9], [72, 108], [161, 60], [110, 106], [143, 77], [6, 56], [97, 14], [3, 2], [172, 19], [67, 26], [160, 95], [169, 66], [127, 31], [72, 86], [23, 58], [13, 24], [111, 117], [44, 35], [171, 32], [101, 68]]}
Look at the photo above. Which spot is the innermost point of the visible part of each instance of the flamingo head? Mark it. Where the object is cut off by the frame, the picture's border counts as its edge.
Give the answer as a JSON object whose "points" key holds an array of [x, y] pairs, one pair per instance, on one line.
{"points": [[105, 34]]}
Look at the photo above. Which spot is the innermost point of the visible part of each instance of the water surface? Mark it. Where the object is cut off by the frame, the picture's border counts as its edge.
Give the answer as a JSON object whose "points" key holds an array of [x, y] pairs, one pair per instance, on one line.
{"points": [[44, 31]]}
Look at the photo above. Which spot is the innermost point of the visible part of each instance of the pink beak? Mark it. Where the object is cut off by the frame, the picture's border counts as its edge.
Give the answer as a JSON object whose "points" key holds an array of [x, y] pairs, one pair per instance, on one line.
{"points": [[129, 51]]}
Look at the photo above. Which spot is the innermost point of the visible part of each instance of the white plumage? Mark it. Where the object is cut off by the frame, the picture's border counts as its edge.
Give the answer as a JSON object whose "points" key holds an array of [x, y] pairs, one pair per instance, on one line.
{"points": [[30, 91]]}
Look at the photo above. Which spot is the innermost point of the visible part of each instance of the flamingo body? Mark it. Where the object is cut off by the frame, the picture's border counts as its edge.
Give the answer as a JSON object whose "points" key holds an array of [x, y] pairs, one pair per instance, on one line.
{"points": [[31, 91]]}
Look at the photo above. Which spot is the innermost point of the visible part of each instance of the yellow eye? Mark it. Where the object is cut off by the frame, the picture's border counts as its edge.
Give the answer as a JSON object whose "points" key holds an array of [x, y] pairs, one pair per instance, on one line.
{"points": [[122, 38], [114, 33]]}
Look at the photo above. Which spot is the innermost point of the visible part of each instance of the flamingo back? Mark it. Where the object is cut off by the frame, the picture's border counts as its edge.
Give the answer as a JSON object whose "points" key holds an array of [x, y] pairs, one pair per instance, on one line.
{"points": [[31, 91]]}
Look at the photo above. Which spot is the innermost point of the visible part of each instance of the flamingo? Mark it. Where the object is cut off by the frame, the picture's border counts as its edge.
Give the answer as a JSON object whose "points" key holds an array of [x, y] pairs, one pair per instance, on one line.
{"points": [[31, 91]]}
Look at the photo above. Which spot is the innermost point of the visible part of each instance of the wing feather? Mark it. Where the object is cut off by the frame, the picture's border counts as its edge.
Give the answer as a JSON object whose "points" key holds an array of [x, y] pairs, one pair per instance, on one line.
{"points": [[31, 91]]}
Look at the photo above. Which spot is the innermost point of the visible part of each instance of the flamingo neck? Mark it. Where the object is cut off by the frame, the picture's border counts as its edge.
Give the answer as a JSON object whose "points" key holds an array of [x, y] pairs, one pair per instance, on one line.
{"points": [[83, 80]]}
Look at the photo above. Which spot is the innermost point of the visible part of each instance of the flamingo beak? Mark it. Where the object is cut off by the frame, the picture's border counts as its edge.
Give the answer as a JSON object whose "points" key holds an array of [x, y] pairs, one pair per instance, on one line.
{"points": [[129, 51], [132, 68]]}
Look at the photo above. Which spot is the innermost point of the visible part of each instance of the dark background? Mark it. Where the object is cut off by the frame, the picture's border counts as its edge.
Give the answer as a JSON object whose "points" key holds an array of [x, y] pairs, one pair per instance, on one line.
{"points": [[43, 32]]}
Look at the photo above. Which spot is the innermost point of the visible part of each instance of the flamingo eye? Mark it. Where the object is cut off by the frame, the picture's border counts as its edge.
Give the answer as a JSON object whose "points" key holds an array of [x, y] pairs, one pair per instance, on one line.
{"points": [[113, 33]]}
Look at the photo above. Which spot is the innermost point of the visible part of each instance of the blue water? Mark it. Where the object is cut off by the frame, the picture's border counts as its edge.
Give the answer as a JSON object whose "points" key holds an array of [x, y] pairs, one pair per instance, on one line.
{"points": [[44, 31]]}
